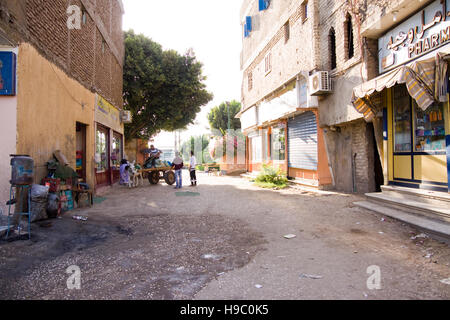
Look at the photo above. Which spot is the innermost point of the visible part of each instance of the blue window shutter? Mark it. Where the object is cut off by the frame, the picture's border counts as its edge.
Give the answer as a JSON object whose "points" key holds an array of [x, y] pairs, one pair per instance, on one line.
{"points": [[263, 4], [248, 23]]}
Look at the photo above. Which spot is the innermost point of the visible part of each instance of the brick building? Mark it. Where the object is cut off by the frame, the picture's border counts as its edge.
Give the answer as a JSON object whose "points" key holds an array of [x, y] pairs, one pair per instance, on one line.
{"points": [[368, 49], [280, 117], [68, 73]]}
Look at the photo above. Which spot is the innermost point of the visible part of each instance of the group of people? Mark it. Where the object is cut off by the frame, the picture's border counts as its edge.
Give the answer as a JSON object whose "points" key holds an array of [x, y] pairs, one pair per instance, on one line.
{"points": [[177, 165]]}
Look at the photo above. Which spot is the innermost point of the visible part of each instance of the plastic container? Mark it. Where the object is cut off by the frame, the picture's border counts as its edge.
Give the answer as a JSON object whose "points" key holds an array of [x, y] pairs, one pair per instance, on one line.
{"points": [[22, 170]]}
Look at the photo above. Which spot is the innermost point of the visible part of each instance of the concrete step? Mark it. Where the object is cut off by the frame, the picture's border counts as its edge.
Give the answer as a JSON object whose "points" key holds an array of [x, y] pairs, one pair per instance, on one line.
{"points": [[305, 182], [411, 206], [432, 197], [3, 230], [436, 228]]}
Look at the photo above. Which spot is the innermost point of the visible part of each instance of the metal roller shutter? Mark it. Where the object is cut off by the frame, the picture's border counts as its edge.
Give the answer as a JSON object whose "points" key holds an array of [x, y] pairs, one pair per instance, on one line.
{"points": [[302, 142]]}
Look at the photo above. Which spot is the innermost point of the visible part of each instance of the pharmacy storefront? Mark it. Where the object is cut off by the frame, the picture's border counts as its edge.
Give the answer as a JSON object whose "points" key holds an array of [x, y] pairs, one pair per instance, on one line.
{"points": [[411, 98]]}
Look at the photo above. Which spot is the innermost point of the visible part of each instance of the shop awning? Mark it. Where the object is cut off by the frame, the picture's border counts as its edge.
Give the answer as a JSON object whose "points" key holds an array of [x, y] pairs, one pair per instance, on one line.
{"points": [[420, 78]]}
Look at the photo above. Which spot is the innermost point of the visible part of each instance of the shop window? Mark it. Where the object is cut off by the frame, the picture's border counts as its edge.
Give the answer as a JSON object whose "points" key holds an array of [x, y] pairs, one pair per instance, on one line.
{"points": [[332, 48], [117, 150], [402, 120], [348, 37], [256, 149], [278, 144], [429, 128]]}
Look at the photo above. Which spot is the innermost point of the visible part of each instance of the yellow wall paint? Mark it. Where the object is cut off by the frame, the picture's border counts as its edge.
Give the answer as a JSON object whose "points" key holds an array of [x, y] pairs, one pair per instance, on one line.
{"points": [[402, 167], [431, 168], [48, 107]]}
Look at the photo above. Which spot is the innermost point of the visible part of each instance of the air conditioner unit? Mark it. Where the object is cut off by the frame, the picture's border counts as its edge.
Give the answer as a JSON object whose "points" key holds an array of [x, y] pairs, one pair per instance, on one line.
{"points": [[126, 116], [320, 83]]}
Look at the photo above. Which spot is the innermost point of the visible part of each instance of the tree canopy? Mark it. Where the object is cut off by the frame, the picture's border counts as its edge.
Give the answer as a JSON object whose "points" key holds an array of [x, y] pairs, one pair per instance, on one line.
{"points": [[218, 116], [163, 89]]}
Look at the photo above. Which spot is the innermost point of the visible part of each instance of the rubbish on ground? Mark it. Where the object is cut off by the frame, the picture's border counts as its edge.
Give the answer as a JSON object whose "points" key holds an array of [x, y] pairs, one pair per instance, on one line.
{"points": [[81, 218], [258, 286], [381, 232], [290, 236], [208, 256], [445, 281], [310, 276], [358, 223], [428, 256], [383, 219], [365, 295], [422, 235], [180, 268], [355, 251], [221, 273], [39, 200]]}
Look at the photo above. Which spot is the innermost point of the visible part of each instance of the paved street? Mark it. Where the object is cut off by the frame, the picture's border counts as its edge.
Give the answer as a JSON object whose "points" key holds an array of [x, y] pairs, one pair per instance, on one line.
{"points": [[224, 240]]}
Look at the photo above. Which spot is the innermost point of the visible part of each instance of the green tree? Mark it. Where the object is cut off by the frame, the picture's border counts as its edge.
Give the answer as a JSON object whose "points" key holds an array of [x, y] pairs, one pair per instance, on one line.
{"points": [[163, 89], [199, 145], [222, 116]]}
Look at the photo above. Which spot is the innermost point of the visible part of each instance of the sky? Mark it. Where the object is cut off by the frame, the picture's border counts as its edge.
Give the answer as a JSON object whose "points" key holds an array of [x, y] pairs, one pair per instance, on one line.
{"points": [[211, 27]]}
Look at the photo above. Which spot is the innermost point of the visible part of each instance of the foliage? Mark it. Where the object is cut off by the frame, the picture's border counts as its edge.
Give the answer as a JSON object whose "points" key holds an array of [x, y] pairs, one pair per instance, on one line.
{"points": [[199, 145], [201, 167], [271, 177], [218, 116], [163, 89]]}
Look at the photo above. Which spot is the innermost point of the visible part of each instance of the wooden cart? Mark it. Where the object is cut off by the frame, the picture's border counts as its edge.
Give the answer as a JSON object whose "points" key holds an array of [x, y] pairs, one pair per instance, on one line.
{"points": [[156, 174]]}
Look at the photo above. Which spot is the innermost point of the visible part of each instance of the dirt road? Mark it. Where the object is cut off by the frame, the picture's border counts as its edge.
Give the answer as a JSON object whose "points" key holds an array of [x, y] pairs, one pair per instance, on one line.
{"points": [[224, 240]]}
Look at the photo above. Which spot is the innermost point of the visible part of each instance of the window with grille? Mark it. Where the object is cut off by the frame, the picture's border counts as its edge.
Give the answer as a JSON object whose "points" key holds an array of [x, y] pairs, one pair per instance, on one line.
{"points": [[250, 81], [304, 11], [349, 39], [268, 63], [287, 31], [332, 48]]}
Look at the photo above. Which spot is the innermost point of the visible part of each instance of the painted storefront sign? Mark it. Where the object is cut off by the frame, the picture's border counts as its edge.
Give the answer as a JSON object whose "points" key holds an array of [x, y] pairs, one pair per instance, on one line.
{"points": [[422, 33]]}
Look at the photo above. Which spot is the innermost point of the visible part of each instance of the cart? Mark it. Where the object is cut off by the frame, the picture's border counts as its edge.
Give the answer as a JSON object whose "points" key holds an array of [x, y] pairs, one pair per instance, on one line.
{"points": [[156, 174]]}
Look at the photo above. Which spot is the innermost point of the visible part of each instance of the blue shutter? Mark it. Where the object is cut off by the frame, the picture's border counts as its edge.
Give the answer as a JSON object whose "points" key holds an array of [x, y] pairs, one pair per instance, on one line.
{"points": [[263, 4], [248, 23]]}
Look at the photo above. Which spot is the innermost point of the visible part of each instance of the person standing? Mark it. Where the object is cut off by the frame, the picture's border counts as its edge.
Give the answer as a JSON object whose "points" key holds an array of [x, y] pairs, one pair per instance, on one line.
{"points": [[124, 175], [192, 165], [177, 164]]}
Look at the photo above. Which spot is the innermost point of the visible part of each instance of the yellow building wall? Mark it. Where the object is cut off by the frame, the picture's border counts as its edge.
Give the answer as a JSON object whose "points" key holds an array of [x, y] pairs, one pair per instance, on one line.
{"points": [[48, 107]]}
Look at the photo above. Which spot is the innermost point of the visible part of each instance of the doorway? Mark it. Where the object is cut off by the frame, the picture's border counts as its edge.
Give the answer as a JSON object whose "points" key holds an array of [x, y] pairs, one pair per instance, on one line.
{"points": [[102, 156], [419, 143], [81, 151]]}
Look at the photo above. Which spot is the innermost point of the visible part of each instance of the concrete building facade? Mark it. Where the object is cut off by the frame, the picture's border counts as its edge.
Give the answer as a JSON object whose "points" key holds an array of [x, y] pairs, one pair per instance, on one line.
{"points": [[69, 61]]}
